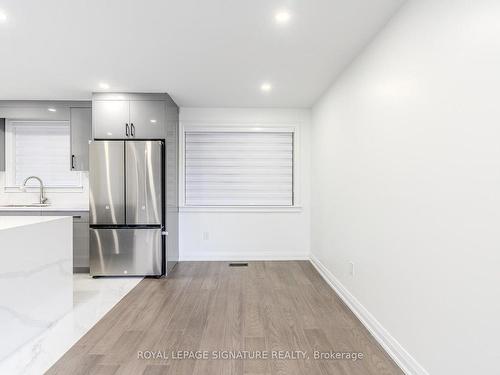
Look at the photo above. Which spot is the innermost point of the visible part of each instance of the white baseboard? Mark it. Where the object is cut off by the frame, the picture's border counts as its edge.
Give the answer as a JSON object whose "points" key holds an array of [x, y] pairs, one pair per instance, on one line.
{"points": [[402, 358], [233, 256]]}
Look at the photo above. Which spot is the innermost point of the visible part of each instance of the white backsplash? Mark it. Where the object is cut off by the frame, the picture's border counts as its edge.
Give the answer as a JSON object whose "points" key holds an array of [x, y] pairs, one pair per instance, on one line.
{"points": [[62, 198]]}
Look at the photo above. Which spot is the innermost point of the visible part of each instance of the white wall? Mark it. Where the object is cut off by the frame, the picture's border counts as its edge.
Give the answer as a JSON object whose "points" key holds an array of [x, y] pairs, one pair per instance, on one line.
{"points": [[406, 182], [256, 234]]}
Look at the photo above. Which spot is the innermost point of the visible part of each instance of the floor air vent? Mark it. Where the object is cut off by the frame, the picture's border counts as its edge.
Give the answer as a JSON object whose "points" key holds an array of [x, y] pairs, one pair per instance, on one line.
{"points": [[238, 264]]}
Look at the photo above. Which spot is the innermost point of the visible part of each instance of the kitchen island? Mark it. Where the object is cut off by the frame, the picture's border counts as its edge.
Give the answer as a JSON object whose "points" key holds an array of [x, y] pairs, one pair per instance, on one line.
{"points": [[36, 276]]}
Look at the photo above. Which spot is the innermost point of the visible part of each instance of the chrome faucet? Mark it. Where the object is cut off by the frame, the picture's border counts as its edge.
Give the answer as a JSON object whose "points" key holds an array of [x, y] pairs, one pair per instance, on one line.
{"points": [[43, 198]]}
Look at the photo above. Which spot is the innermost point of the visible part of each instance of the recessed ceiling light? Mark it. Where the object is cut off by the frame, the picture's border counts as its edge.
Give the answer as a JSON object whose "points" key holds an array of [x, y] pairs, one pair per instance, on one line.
{"points": [[52, 110], [3, 16], [153, 121], [104, 85], [282, 17], [266, 87]]}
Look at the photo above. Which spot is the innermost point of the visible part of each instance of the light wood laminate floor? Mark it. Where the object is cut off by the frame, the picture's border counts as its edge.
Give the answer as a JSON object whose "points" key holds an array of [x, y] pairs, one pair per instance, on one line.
{"points": [[209, 306]]}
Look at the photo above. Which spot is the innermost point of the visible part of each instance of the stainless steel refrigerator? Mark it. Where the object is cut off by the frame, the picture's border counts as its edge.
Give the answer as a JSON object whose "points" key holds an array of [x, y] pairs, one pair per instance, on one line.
{"points": [[127, 210]]}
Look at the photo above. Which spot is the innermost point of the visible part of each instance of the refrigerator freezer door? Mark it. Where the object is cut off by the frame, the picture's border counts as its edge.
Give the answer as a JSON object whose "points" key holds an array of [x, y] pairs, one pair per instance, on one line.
{"points": [[144, 182], [107, 182], [120, 252]]}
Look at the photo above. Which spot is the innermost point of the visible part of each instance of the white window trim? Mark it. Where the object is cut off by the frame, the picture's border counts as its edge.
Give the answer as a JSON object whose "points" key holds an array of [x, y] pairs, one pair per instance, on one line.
{"points": [[191, 127], [10, 186]]}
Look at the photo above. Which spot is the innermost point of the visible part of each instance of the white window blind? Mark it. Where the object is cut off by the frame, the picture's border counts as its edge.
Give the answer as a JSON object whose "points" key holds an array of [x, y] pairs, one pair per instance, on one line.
{"points": [[40, 149], [239, 168]]}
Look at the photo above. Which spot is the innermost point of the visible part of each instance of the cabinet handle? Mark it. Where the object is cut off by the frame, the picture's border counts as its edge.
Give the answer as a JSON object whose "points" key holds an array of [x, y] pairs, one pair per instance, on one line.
{"points": [[77, 217], [72, 161], [126, 130], [132, 129]]}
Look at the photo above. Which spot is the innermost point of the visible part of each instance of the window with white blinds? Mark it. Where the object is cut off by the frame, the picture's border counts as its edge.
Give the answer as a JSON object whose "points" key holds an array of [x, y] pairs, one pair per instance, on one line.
{"points": [[39, 149], [238, 168]]}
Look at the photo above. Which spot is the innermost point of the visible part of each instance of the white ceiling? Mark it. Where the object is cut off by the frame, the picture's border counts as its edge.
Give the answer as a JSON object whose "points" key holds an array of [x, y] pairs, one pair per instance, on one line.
{"points": [[203, 52]]}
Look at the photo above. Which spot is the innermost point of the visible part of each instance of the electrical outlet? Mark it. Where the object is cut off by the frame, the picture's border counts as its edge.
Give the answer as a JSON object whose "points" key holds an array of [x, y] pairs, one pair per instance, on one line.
{"points": [[351, 269], [205, 236]]}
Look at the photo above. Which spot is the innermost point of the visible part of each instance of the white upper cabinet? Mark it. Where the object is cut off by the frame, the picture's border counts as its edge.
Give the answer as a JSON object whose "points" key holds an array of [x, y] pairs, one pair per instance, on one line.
{"points": [[129, 116]]}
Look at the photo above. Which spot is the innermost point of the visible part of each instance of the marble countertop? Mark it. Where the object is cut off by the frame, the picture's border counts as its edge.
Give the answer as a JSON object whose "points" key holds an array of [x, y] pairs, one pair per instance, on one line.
{"points": [[47, 208], [36, 273], [7, 222]]}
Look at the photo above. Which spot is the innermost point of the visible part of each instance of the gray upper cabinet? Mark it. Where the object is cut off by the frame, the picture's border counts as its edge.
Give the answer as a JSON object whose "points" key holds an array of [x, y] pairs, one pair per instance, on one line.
{"points": [[36, 110], [110, 119], [81, 124], [129, 115], [147, 119], [77, 112]]}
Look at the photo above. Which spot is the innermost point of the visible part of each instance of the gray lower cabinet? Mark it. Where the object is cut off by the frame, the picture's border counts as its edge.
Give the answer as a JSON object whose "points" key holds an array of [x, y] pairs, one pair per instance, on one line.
{"points": [[80, 237], [80, 246], [81, 134], [80, 234]]}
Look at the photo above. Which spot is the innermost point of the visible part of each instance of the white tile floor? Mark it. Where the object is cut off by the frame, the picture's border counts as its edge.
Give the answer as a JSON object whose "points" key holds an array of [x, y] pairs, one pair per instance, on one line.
{"points": [[92, 299]]}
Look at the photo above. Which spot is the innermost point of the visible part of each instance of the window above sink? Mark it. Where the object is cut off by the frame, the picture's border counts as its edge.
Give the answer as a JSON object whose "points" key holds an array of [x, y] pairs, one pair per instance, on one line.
{"points": [[39, 148]]}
